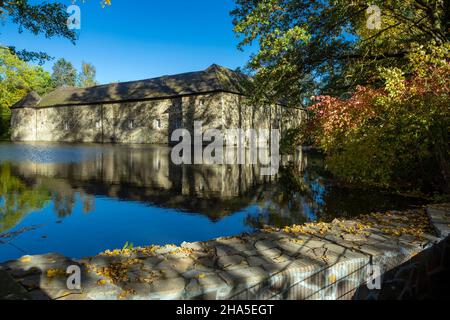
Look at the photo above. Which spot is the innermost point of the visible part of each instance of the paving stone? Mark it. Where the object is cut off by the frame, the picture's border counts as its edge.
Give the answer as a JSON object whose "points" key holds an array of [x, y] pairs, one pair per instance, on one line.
{"points": [[208, 287], [440, 219], [181, 265], [107, 291], [244, 276], [138, 291], [150, 263], [30, 282], [270, 253], [231, 261], [291, 248], [55, 287], [255, 261], [195, 273], [225, 251], [353, 237], [313, 243], [39, 262], [197, 246], [265, 245], [166, 249], [168, 289], [207, 262], [38, 295], [10, 289]]}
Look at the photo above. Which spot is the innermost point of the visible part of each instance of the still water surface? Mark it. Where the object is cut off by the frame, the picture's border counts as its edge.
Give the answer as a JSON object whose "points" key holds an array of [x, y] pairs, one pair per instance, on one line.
{"points": [[79, 200]]}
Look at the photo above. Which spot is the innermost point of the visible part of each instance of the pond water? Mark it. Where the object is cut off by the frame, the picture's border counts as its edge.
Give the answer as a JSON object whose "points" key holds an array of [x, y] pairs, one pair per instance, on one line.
{"points": [[79, 200]]}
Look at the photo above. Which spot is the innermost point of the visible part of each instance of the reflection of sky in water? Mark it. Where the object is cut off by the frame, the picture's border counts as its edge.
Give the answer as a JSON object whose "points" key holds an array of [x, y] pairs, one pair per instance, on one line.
{"points": [[117, 222], [96, 197]]}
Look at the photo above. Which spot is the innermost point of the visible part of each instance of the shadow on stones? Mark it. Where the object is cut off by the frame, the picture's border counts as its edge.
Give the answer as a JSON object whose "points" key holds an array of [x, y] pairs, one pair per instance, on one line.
{"points": [[425, 276]]}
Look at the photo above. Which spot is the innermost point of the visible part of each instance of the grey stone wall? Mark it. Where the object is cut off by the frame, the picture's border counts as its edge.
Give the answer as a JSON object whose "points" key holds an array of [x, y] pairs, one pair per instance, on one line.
{"points": [[146, 122], [23, 124]]}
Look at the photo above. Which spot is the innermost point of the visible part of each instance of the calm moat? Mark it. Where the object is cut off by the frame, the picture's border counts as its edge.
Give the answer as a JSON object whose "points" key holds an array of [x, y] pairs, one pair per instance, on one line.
{"points": [[79, 200]]}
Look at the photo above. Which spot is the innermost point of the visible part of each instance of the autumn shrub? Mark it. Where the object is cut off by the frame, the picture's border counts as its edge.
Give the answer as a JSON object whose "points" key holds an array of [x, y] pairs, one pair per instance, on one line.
{"points": [[392, 136]]}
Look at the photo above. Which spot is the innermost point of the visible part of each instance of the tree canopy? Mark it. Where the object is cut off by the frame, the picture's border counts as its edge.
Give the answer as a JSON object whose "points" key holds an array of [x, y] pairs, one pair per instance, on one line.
{"points": [[308, 46], [373, 75], [86, 78], [64, 74], [17, 78], [47, 18]]}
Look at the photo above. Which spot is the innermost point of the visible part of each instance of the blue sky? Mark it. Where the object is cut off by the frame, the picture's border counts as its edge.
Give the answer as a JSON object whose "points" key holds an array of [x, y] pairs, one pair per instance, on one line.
{"points": [[136, 39]]}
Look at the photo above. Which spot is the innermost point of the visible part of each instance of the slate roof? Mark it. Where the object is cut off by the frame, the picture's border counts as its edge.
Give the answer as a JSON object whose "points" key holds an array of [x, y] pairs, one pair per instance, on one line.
{"points": [[213, 79]]}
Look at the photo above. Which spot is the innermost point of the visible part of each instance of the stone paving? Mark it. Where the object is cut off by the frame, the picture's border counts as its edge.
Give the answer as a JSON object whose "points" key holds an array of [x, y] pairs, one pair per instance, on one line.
{"points": [[439, 214], [312, 261]]}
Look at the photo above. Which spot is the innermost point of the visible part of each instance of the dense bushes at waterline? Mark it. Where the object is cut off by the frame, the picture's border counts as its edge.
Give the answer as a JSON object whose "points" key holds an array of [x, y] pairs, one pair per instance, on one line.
{"points": [[392, 136]]}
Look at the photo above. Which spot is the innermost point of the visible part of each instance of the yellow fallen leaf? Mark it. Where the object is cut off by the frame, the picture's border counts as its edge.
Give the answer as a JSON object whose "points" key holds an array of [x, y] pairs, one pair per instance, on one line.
{"points": [[51, 273], [101, 282], [25, 259], [201, 275]]}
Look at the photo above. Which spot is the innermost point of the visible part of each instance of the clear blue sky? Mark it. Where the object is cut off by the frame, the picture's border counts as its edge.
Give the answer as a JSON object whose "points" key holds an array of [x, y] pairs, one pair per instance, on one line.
{"points": [[137, 39]]}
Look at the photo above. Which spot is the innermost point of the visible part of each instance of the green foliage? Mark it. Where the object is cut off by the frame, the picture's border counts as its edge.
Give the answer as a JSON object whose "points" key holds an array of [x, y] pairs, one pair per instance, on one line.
{"points": [[44, 18], [128, 246], [17, 78], [17, 199], [308, 46], [86, 78], [31, 56], [64, 74], [395, 136], [390, 125], [290, 138], [48, 18]]}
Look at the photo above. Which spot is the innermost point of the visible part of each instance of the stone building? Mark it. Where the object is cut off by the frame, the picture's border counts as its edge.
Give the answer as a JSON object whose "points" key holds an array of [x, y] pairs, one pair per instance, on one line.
{"points": [[145, 111]]}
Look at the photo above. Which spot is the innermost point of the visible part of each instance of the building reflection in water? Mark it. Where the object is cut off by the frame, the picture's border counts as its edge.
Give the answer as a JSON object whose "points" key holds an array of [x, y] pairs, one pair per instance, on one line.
{"points": [[33, 175]]}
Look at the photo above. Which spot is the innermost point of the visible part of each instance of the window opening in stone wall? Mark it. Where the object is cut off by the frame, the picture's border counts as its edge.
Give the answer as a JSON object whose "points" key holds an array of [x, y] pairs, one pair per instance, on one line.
{"points": [[157, 124]]}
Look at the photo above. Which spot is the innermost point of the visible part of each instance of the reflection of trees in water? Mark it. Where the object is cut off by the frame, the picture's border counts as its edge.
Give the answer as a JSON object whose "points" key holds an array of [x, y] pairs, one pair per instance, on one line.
{"points": [[63, 203], [293, 199], [64, 198], [88, 202], [309, 193], [302, 191], [17, 199]]}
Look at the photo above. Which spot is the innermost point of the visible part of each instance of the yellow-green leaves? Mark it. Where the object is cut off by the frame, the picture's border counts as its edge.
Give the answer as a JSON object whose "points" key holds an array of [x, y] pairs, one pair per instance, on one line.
{"points": [[17, 78], [394, 80]]}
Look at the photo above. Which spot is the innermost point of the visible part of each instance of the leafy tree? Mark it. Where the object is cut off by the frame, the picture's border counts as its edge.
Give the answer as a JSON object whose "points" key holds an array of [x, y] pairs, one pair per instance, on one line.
{"points": [[382, 112], [44, 18], [64, 74], [48, 18], [17, 78], [308, 46], [395, 136], [86, 77]]}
